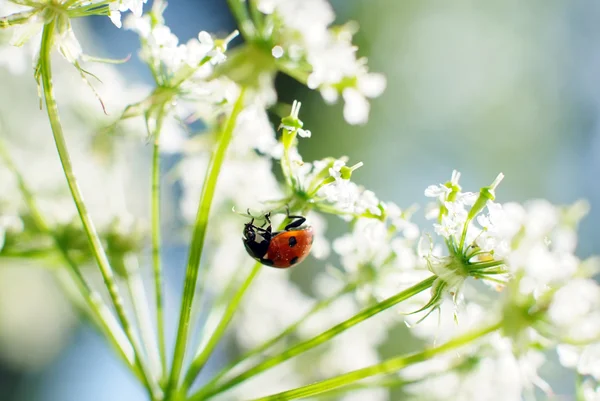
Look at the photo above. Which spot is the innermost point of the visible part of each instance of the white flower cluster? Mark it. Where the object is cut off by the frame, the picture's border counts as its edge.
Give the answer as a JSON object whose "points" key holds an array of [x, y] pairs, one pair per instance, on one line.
{"points": [[378, 257], [530, 250], [301, 32], [546, 296], [36, 14], [161, 48]]}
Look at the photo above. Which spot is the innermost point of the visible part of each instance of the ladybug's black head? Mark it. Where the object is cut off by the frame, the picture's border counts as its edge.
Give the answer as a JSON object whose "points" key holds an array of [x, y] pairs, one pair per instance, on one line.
{"points": [[256, 240], [249, 232]]}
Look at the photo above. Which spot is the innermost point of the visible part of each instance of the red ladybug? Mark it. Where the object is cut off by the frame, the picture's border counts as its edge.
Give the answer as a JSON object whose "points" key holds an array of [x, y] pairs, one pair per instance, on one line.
{"points": [[281, 249]]}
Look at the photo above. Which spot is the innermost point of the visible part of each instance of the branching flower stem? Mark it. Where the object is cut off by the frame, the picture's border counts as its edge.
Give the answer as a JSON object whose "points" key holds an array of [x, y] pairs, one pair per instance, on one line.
{"points": [[388, 366], [141, 312], [98, 311], [197, 243], [200, 360], [156, 263], [319, 339], [284, 333], [88, 225]]}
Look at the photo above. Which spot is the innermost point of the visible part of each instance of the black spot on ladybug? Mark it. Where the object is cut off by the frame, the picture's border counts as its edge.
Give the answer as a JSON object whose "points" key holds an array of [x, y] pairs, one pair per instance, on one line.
{"points": [[267, 262], [294, 260], [292, 241]]}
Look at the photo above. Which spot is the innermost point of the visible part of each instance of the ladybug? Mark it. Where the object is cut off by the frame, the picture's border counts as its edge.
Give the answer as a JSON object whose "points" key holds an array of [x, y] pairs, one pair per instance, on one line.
{"points": [[280, 249]]}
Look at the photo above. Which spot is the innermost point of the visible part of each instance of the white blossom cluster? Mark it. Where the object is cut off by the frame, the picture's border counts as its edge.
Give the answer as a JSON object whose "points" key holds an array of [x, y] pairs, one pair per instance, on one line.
{"points": [[35, 13], [302, 35], [539, 272], [541, 292]]}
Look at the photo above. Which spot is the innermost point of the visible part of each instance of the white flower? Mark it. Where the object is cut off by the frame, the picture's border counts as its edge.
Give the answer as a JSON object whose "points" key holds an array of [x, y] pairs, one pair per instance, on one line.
{"points": [[320, 248], [341, 191], [119, 6], [64, 37], [304, 133], [493, 374], [381, 266], [530, 230], [575, 310], [437, 191], [585, 359], [68, 45], [367, 244], [356, 107], [303, 29], [160, 45], [371, 85]]}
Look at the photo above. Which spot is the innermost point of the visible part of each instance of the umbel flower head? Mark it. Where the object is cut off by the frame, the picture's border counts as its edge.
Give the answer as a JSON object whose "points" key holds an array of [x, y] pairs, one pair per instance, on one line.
{"points": [[298, 39], [470, 253], [31, 16]]}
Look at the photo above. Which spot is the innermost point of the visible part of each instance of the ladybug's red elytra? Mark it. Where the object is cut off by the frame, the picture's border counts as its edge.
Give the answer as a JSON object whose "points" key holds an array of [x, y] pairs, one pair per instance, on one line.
{"points": [[280, 249]]}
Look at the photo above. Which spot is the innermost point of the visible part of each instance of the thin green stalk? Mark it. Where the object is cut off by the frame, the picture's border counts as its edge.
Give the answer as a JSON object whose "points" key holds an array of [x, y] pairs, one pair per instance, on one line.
{"points": [[141, 310], [319, 339], [391, 381], [17, 18], [99, 312], [240, 13], [199, 362], [197, 242], [287, 331], [463, 236], [88, 225], [484, 265], [388, 366], [286, 164], [156, 264], [218, 305]]}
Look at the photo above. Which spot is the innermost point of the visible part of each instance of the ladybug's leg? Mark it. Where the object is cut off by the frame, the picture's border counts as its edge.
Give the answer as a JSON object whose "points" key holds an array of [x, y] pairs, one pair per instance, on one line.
{"points": [[267, 218], [296, 222], [265, 233]]}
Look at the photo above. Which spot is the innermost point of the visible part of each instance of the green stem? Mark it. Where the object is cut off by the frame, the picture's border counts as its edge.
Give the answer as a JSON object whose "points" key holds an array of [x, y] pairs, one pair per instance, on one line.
{"points": [[156, 263], [240, 13], [88, 225], [321, 338], [484, 265], [463, 236], [99, 312], [286, 162], [197, 242], [199, 362], [393, 380], [388, 366], [17, 18], [475, 253], [287, 331], [140, 304], [216, 307]]}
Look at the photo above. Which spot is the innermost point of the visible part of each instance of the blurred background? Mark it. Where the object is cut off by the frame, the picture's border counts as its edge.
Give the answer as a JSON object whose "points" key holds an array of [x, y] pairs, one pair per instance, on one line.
{"points": [[481, 87]]}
